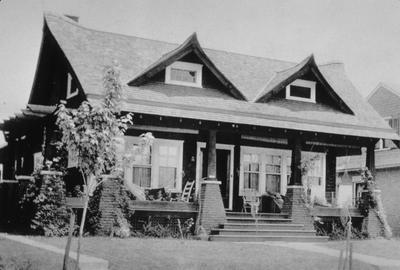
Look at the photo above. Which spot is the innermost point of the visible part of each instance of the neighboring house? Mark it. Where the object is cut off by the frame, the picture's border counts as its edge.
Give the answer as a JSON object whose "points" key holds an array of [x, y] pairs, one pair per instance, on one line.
{"points": [[248, 122], [385, 99]]}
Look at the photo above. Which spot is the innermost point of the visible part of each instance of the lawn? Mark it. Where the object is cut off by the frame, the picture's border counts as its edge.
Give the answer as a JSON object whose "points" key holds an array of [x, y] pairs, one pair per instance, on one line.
{"points": [[18, 256], [137, 253], [389, 249]]}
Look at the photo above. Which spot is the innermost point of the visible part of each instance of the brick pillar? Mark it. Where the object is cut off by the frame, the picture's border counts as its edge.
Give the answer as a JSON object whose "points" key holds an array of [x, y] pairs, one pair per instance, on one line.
{"points": [[295, 206], [108, 206], [211, 207], [375, 224], [295, 200]]}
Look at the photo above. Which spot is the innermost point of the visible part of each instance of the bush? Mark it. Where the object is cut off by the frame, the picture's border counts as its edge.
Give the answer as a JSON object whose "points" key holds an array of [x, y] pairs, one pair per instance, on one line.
{"points": [[45, 198], [171, 229], [335, 230]]}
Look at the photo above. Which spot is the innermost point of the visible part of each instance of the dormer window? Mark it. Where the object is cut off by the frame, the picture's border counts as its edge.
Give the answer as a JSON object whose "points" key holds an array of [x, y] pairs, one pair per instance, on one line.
{"points": [[184, 73], [301, 90]]}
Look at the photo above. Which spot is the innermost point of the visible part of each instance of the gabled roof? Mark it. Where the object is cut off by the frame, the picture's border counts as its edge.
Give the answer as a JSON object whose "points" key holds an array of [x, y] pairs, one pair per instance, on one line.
{"points": [[88, 51], [287, 76], [394, 88], [191, 44]]}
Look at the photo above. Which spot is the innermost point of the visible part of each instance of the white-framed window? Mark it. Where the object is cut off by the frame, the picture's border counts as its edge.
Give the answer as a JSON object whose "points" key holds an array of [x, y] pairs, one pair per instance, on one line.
{"points": [[184, 73], [71, 89], [301, 90], [268, 169], [263, 169], [251, 171], [156, 166]]}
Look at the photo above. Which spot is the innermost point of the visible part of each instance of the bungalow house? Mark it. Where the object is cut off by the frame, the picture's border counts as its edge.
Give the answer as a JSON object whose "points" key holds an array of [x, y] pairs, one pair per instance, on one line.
{"points": [[228, 121], [385, 99]]}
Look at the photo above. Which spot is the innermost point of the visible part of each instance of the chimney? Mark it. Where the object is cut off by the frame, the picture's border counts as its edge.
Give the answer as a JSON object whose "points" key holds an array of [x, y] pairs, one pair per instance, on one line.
{"points": [[72, 17]]}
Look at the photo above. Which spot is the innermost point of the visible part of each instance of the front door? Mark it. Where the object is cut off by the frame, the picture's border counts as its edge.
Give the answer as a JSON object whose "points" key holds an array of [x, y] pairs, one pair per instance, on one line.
{"points": [[224, 170]]}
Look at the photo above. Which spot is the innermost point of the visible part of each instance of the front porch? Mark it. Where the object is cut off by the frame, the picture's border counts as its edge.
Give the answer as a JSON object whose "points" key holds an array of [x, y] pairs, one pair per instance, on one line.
{"points": [[224, 159]]}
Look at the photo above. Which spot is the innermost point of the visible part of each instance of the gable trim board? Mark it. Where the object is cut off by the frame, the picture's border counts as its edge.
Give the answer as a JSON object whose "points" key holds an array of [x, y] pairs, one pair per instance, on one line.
{"points": [[190, 45], [285, 77]]}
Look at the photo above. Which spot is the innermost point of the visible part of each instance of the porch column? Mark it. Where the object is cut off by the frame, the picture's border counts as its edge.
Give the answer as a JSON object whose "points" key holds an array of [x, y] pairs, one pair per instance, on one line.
{"points": [[212, 155], [294, 204], [211, 206], [370, 159], [295, 178]]}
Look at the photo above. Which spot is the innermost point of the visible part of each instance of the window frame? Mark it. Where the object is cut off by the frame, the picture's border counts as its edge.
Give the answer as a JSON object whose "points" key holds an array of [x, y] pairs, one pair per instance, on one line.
{"points": [[70, 93], [155, 161], [185, 66], [302, 83]]}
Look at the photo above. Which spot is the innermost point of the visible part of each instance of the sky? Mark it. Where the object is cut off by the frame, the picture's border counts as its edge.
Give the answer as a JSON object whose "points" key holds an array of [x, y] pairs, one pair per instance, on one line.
{"points": [[363, 34]]}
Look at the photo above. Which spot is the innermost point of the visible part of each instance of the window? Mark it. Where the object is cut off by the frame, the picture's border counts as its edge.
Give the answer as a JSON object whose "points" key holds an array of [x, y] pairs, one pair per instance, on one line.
{"points": [[168, 166], [141, 165], [301, 90], [273, 173], [157, 166], [251, 169], [263, 169], [72, 90], [184, 73]]}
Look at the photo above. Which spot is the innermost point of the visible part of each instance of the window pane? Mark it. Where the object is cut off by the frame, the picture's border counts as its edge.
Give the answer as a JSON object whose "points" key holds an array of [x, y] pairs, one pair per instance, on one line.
{"points": [[299, 91], [167, 177], [183, 75], [251, 180], [142, 176], [273, 183], [141, 155]]}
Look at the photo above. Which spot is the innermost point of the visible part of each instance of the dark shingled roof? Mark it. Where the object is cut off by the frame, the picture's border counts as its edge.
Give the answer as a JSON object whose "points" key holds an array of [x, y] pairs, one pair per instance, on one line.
{"points": [[88, 51]]}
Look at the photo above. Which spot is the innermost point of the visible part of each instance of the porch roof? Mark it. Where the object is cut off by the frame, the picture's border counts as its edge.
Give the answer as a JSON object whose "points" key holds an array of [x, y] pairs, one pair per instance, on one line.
{"points": [[88, 51]]}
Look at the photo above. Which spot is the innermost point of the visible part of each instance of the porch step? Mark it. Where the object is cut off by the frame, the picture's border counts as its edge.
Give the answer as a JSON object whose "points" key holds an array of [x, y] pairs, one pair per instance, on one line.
{"points": [[260, 215], [262, 226], [260, 238], [259, 220], [264, 232]]}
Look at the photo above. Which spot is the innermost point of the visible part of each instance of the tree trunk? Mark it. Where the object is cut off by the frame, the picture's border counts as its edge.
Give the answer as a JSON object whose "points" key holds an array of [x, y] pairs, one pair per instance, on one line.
{"points": [[81, 229], [67, 248]]}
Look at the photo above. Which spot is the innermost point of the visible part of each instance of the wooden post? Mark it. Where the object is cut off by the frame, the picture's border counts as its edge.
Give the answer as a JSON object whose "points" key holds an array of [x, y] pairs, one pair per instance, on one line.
{"points": [[370, 159], [295, 178], [212, 155]]}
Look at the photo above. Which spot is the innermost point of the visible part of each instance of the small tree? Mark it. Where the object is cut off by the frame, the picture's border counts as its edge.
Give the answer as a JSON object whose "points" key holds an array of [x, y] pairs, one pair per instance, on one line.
{"points": [[92, 132]]}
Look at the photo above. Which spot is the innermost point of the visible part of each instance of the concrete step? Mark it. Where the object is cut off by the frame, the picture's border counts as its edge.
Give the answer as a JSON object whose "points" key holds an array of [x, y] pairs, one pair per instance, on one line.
{"points": [[259, 220], [259, 238], [263, 215], [262, 226], [269, 232]]}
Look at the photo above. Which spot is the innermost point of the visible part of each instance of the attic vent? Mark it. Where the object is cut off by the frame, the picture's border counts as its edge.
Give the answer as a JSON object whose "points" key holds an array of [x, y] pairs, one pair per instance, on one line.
{"points": [[184, 73], [301, 90]]}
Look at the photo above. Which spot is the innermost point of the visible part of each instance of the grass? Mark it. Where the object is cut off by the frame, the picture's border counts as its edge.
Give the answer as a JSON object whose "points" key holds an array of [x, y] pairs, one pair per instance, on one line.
{"points": [[18, 256], [137, 253], [389, 249]]}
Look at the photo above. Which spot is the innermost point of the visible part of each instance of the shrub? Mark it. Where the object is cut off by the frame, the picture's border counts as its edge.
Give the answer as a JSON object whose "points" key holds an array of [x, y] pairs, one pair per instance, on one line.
{"points": [[335, 230], [170, 229], [45, 198]]}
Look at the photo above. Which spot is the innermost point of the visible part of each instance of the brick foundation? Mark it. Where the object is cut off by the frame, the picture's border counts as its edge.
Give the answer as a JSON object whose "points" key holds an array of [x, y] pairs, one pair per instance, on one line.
{"points": [[211, 207], [294, 205]]}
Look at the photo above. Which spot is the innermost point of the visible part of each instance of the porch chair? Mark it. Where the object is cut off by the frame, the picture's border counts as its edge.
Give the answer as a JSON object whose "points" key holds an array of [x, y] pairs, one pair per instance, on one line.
{"points": [[187, 190], [250, 200]]}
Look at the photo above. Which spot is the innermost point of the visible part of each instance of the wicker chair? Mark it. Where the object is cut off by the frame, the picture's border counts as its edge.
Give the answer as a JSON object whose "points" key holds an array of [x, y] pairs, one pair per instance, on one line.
{"points": [[250, 200]]}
